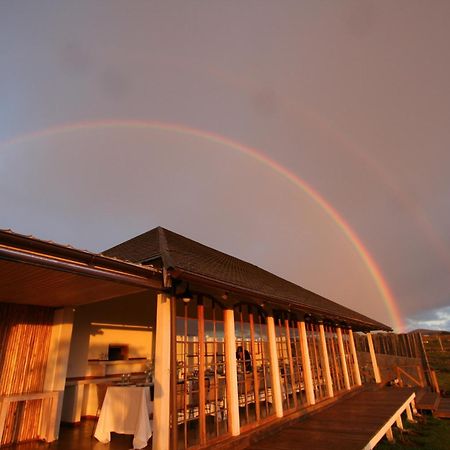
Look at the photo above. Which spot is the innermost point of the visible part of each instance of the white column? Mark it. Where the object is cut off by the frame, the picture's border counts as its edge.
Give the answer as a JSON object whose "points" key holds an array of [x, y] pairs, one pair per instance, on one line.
{"points": [[376, 370], [161, 404], [275, 369], [343, 358], [356, 372], [326, 361], [231, 373], [306, 363], [55, 376]]}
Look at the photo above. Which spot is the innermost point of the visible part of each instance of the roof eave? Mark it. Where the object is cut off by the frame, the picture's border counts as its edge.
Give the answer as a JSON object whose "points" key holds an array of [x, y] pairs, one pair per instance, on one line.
{"points": [[359, 324]]}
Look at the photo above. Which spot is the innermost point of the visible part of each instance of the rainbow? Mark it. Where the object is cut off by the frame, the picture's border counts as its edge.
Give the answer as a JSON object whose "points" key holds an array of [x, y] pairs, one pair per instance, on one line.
{"points": [[257, 155]]}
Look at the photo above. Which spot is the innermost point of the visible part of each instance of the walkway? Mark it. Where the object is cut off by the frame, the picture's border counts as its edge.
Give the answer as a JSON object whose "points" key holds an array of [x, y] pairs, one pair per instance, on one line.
{"points": [[358, 422]]}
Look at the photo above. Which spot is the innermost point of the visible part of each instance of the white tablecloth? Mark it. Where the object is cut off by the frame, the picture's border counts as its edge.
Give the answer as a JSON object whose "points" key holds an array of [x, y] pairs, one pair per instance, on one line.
{"points": [[126, 410]]}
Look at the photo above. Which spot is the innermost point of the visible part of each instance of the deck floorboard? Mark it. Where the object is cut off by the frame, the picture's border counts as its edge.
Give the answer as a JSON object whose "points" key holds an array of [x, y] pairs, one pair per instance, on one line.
{"points": [[349, 424]]}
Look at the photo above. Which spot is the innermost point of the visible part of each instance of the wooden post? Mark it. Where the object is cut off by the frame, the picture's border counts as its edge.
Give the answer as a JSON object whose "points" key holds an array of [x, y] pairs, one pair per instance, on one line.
{"points": [[409, 413], [357, 374], [420, 375], [389, 435], [435, 381], [399, 422], [376, 370], [231, 373], [58, 359], [326, 361], [161, 404], [343, 358], [275, 369], [306, 363]]}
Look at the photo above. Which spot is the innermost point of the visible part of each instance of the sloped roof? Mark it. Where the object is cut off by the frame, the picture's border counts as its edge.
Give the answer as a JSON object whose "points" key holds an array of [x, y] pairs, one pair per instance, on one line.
{"points": [[189, 257]]}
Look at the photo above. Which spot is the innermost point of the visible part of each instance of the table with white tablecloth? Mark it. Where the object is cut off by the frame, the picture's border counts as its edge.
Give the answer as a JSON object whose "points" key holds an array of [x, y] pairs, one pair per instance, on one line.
{"points": [[126, 410]]}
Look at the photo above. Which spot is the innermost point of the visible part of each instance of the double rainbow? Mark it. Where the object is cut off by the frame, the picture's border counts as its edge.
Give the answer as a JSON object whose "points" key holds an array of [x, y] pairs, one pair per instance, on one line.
{"points": [[257, 155]]}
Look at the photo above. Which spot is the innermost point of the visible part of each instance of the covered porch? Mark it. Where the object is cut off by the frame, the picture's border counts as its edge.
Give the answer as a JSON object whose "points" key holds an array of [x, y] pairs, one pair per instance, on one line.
{"points": [[229, 352]]}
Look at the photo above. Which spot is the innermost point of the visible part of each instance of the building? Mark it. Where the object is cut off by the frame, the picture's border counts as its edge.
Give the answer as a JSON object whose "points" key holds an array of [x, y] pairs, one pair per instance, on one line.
{"points": [[233, 348]]}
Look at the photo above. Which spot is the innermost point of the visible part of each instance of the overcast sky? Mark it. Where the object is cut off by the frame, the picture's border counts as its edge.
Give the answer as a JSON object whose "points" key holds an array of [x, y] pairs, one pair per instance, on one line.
{"points": [[352, 97]]}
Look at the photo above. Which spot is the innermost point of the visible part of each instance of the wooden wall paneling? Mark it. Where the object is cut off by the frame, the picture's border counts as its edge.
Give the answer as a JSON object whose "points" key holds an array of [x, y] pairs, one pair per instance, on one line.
{"points": [[24, 336]]}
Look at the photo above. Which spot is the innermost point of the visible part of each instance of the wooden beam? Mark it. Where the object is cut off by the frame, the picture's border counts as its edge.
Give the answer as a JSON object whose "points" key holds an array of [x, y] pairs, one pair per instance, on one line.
{"points": [[231, 373], [275, 369], [343, 358], [373, 358], [326, 361], [356, 372], [306, 363]]}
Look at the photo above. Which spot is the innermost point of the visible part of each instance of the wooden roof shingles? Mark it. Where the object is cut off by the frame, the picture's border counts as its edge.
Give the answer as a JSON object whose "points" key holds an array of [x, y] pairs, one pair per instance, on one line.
{"points": [[185, 256]]}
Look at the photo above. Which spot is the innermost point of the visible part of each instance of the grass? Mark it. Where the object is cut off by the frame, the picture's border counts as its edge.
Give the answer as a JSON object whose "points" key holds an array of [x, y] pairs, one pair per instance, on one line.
{"points": [[438, 353], [428, 433], [440, 362]]}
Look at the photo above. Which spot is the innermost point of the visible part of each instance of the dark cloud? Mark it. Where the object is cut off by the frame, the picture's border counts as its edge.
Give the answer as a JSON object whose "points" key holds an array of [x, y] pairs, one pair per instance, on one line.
{"points": [[435, 319]]}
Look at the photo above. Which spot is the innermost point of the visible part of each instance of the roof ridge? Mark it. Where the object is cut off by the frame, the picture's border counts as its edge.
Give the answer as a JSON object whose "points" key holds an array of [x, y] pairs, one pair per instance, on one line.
{"points": [[164, 248]]}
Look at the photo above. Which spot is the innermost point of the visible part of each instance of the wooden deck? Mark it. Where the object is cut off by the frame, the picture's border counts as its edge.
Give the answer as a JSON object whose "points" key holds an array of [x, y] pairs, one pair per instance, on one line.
{"points": [[426, 400], [443, 410], [358, 422]]}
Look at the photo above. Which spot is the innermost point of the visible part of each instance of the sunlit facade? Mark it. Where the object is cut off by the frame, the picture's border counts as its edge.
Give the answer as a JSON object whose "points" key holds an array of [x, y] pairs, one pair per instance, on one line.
{"points": [[230, 348]]}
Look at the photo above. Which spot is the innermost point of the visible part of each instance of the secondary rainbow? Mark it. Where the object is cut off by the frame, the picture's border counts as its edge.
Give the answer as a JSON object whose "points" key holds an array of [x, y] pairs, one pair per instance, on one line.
{"points": [[368, 260]]}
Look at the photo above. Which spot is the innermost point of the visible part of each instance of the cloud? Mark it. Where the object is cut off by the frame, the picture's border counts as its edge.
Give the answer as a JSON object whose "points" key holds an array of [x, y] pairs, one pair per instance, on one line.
{"points": [[433, 319]]}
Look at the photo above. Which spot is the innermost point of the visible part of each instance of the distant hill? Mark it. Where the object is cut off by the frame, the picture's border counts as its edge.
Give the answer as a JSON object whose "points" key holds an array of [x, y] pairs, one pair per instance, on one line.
{"points": [[428, 332]]}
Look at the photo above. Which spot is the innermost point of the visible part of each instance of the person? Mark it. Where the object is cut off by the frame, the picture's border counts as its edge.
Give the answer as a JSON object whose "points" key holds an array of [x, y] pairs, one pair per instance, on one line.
{"points": [[244, 355]]}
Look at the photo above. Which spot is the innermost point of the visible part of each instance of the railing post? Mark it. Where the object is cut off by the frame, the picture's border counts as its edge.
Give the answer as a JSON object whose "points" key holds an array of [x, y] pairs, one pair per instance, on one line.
{"points": [[376, 370], [389, 435], [409, 413]]}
